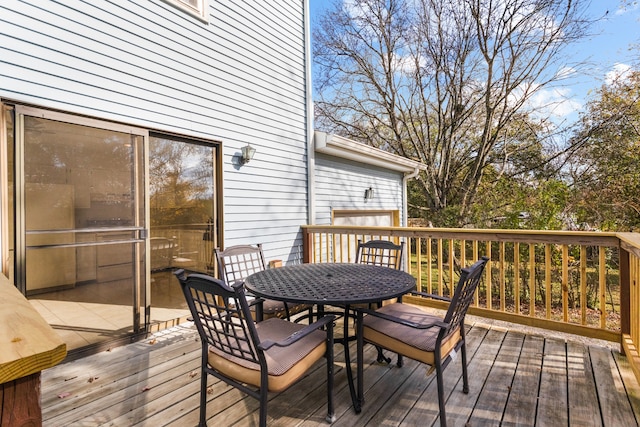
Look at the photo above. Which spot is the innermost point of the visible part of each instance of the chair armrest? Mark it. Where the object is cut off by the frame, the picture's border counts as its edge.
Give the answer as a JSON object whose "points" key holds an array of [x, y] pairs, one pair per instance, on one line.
{"points": [[298, 335], [432, 296], [254, 300], [437, 324]]}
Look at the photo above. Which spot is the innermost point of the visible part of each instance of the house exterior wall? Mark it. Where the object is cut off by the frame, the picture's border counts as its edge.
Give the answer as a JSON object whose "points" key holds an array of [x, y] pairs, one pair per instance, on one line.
{"points": [[340, 184], [238, 78]]}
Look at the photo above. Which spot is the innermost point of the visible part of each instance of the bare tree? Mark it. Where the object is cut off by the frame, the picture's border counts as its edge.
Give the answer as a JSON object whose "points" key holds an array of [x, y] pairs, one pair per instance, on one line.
{"points": [[441, 81]]}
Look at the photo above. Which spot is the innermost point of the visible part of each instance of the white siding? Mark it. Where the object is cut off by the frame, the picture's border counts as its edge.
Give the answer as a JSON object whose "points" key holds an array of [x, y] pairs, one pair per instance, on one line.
{"points": [[240, 78], [340, 184]]}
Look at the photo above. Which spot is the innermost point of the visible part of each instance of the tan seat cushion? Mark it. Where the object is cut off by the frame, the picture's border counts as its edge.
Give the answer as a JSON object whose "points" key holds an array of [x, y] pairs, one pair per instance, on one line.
{"points": [[285, 364], [272, 308], [417, 344]]}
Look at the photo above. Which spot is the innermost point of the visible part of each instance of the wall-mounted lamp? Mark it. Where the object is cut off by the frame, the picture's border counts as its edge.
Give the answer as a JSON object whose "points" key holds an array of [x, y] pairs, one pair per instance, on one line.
{"points": [[247, 154], [368, 193]]}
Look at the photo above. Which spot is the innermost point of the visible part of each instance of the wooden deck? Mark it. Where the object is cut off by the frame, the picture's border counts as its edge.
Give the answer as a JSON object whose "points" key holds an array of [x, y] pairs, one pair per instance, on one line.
{"points": [[516, 379]]}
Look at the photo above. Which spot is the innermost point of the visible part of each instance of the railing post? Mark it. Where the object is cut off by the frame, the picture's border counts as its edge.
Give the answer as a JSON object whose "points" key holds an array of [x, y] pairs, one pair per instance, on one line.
{"points": [[625, 293], [307, 245]]}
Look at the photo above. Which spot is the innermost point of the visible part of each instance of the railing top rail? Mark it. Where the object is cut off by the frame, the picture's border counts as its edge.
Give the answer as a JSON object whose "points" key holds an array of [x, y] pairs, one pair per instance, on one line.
{"points": [[496, 235], [630, 242]]}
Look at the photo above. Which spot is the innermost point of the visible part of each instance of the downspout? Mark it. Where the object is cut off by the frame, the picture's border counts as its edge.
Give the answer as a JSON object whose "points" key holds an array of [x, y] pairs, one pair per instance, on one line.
{"points": [[405, 209], [311, 157], [405, 195]]}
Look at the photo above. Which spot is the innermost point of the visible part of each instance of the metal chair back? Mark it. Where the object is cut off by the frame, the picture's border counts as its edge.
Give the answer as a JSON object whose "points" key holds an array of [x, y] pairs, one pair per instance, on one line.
{"points": [[463, 296], [222, 316], [380, 252], [237, 262], [386, 254]]}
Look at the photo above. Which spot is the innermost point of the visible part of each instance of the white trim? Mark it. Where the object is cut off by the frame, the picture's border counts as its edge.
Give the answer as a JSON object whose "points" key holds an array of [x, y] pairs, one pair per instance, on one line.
{"points": [[311, 158], [4, 192], [79, 120], [339, 146], [201, 11]]}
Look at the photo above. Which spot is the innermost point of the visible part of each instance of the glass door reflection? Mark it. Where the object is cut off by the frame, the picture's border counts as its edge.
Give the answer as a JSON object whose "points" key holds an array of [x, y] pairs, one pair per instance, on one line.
{"points": [[81, 260]]}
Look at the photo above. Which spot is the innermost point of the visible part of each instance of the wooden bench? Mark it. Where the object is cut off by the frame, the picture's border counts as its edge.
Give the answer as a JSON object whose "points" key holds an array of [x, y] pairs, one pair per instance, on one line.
{"points": [[28, 345]]}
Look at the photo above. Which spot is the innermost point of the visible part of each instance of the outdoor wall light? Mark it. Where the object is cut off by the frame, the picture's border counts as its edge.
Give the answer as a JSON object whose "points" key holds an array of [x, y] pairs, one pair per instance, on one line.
{"points": [[368, 194], [247, 154]]}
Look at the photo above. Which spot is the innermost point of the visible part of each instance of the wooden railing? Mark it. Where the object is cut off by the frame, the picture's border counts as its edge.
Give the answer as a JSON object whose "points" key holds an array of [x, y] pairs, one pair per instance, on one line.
{"points": [[630, 296], [582, 283]]}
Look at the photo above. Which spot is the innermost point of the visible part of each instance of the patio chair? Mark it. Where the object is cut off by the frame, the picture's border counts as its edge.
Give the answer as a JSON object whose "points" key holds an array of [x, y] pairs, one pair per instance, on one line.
{"points": [[380, 252], [237, 262], [256, 358], [436, 341], [384, 253]]}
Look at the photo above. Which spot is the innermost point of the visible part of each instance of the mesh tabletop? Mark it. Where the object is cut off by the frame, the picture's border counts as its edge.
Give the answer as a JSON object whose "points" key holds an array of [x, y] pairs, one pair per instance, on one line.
{"points": [[330, 283]]}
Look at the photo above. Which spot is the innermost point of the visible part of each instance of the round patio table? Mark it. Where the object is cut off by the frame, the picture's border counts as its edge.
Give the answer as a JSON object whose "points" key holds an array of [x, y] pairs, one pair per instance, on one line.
{"points": [[334, 284], [330, 283]]}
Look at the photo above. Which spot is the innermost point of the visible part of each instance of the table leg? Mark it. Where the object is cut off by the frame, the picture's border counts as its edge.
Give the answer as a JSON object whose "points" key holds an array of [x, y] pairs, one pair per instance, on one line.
{"points": [[259, 312], [360, 357], [355, 399]]}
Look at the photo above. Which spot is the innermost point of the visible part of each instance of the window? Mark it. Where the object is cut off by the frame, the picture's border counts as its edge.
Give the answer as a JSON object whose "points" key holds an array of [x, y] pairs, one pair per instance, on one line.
{"points": [[195, 7]]}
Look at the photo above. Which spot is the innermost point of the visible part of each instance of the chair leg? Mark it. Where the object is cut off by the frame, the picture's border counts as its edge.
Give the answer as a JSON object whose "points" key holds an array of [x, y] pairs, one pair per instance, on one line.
{"points": [[465, 377], [203, 396], [263, 405], [440, 381], [308, 315], [381, 357], [400, 362]]}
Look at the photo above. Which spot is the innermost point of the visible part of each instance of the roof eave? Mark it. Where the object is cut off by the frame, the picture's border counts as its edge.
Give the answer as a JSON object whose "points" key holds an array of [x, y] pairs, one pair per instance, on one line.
{"points": [[341, 147]]}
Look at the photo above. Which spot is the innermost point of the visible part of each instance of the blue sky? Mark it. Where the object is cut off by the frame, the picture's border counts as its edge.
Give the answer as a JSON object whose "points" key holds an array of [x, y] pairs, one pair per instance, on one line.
{"points": [[615, 46], [609, 51]]}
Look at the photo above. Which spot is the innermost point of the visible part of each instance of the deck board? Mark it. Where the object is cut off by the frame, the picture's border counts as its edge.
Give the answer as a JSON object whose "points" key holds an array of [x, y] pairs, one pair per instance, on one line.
{"points": [[384, 388], [131, 393], [460, 407], [583, 399], [614, 402], [342, 397], [630, 383], [411, 401], [552, 395], [493, 397], [515, 379], [522, 402]]}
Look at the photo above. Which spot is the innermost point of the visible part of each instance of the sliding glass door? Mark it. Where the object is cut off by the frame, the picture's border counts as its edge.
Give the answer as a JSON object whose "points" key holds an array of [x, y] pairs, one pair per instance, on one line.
{"points": [[183, 212], [80, 224], [91, 230]]}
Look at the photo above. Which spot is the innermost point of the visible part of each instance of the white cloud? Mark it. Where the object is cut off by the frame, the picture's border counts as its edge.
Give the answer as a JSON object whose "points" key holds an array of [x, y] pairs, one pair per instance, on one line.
{"points": [[407, 64], [618, 73], [554, 102]]}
